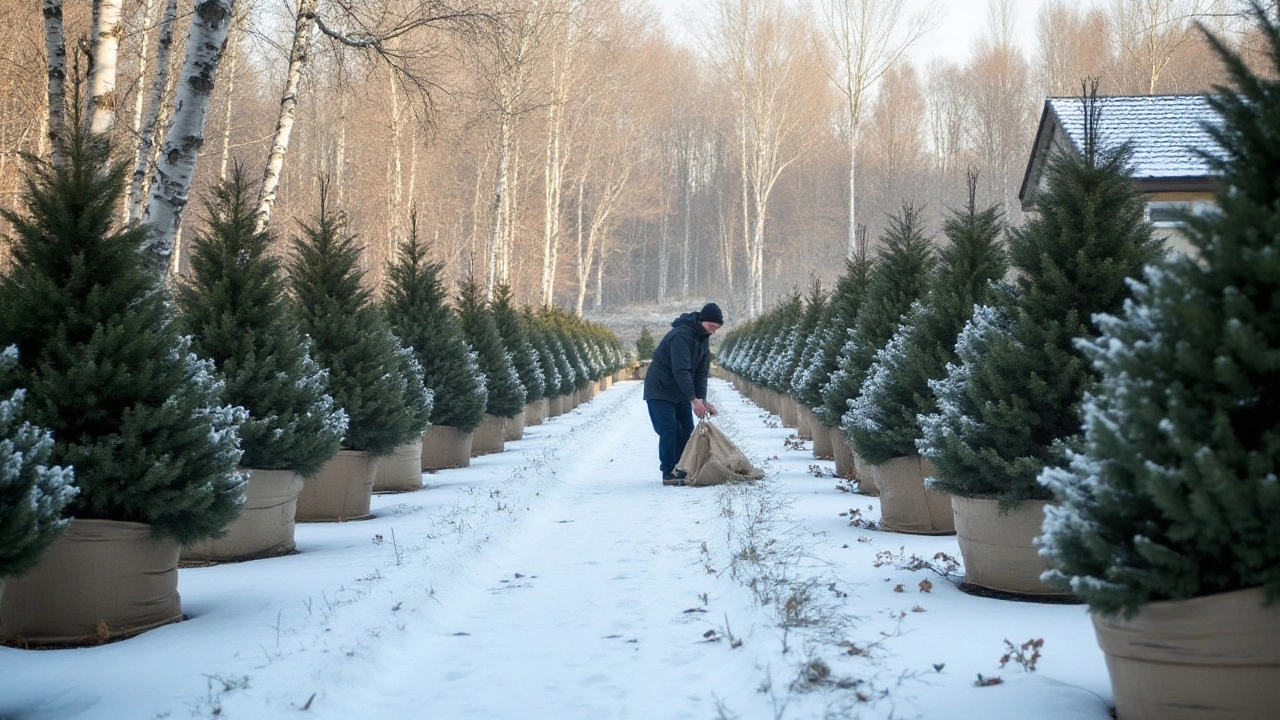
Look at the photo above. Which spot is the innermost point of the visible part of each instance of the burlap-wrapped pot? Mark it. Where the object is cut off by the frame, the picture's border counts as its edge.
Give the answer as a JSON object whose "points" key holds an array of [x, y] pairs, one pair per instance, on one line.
{"points": [[997, 549], [1214, 657], [343, 490], [822, 448], [640, 370], [490, 436], [843, 453], [100, 580], [606, 381], [444, 447], [906, 506], [265, 526], [555, 406], [803, 429], [514, 429], [866, 475], [535, 412], [619, 375], [787, 411], [590, 392], [401, 471], [572, 400]]}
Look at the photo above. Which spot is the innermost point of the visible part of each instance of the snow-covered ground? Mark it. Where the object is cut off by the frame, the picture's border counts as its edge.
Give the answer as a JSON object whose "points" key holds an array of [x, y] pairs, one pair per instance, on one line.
{"points": [[561, 580]]}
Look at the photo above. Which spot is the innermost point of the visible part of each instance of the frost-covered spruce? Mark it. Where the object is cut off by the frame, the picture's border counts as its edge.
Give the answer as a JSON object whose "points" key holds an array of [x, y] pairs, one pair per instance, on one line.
{"points": [[516, 341], [882, 422], [840, 315], [134, 412], [1023, 393], [417, 308], [506, 393], [809, 343], [1175, 494], [32, 493], [645, 344], [234, 307], [899, 277], [546, 358], [784, 346], [369, 376]]}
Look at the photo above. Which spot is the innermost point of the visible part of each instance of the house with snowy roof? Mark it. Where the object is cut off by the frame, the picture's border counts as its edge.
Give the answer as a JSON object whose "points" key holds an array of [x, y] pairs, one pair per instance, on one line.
{"points": [[1165, 132]]}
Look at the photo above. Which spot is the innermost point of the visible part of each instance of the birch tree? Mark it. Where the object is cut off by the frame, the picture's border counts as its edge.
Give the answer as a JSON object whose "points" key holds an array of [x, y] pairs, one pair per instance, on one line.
{"points": [[104, 51], [55, 44], [147, 127], [868, 37], [1147, 34]]}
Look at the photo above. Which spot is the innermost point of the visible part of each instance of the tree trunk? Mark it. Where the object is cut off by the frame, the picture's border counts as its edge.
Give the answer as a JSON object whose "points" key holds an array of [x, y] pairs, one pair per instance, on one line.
{"points": [[663, 260], [233, 45], [299, 54], [396, 196], [551, 208], [55, 44], [107, 29], [147, 130], [499, 192], [146, 18], [171, 185]]}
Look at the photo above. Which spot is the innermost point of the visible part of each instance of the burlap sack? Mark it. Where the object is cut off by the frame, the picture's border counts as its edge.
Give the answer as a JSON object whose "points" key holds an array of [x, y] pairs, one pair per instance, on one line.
{"points": [[906, 506], [822, 448], [490, 436], [265, 526], [343, 490], [555, 406], [843, 454], [997, 548], [866, 474], [1208, 658], [101, 580], [710, 458], [445, 447], [535, 412], [787, 411], [401, 471]]}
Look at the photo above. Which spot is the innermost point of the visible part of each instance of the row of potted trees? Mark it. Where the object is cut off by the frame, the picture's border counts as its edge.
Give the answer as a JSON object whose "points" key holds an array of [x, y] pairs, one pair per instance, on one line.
{"points": [[1083, 432], [202, 423]]}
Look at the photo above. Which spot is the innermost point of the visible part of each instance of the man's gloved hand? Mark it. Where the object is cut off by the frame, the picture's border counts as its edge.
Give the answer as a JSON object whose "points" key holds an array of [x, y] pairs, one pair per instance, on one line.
{"points": [[702, 408]]}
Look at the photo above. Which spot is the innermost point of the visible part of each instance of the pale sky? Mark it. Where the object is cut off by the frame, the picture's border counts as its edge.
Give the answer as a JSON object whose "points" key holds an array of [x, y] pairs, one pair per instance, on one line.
{"points": [[960, 24]]}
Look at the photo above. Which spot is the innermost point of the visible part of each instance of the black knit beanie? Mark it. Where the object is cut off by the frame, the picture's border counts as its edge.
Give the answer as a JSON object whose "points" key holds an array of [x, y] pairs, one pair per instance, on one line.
{"points": [[711, 313]]}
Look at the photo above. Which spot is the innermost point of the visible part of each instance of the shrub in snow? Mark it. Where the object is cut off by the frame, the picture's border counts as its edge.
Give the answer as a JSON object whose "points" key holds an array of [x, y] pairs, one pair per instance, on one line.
{"points": [[516, 340], [840, 315], [882, 422], [784, 319], [418, 311], [135, 413], [370, 376], [506, 393], [538, 338], [807, 341], [234, 306], [645, 344], [900, 277], [32, 494], [1175, 493], [1013, 405]]}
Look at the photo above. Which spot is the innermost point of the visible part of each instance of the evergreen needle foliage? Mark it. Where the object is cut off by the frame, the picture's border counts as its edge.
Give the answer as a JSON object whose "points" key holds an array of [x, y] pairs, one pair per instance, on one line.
{"points": [[899, 277], [238, 316], [808, 341], [506, 393], [417, 307], [883, 422], [838, 318], [1014, 407], [538, 338], [370, 375], [645, 344], [135, 413], [516, 341], [1174, 494], [32, 494]]}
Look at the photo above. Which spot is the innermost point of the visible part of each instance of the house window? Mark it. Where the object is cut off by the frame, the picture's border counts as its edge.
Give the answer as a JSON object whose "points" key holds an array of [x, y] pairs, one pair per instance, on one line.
{"points": [[1168, 213]]}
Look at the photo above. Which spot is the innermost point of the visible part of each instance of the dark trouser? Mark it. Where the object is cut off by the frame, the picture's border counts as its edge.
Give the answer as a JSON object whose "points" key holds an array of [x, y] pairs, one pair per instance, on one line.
{"points": [[673, 421]]}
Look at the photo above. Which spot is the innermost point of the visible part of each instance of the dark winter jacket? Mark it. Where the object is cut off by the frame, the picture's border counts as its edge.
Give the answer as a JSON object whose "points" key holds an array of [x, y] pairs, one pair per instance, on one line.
{"points": [[681, 363]]}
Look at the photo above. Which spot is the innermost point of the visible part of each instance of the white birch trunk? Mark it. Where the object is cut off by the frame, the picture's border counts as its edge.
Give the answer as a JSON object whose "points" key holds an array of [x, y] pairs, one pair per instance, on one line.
{"points": [[581, 198], [551, 205], [145, 11], [687, 190], [340, 153], [233, 46], [55, 45], [147, 130], [499, 191], [299, 54], [396, 196], [664, 259], [105, 52], [175, 169]]}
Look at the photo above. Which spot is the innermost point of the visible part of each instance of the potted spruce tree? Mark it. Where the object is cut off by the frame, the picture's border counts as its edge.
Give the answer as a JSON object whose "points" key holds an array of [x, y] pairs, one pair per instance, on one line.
{"points": [[882, 423], [566, 365], [32, 493], [899, 278], [1011, 405], [523, 356], [839, 317], [371, 375], [132, 410], [805, 350], [1167, 527], [234, 307], [506, 394], [547, 363], [645, 345], [418, 309]]}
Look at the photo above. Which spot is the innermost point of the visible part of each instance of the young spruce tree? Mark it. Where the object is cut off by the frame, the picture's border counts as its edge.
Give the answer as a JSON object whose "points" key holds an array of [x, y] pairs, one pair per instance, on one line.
{"points": [[134, 412], [32, 494], [883, 422], [516, 341], [417, 308], [1014, 407], [235, 309], [645, 344], [371, 376], [899, 277], [1174, 494], [506, 393], [838, 318]]}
